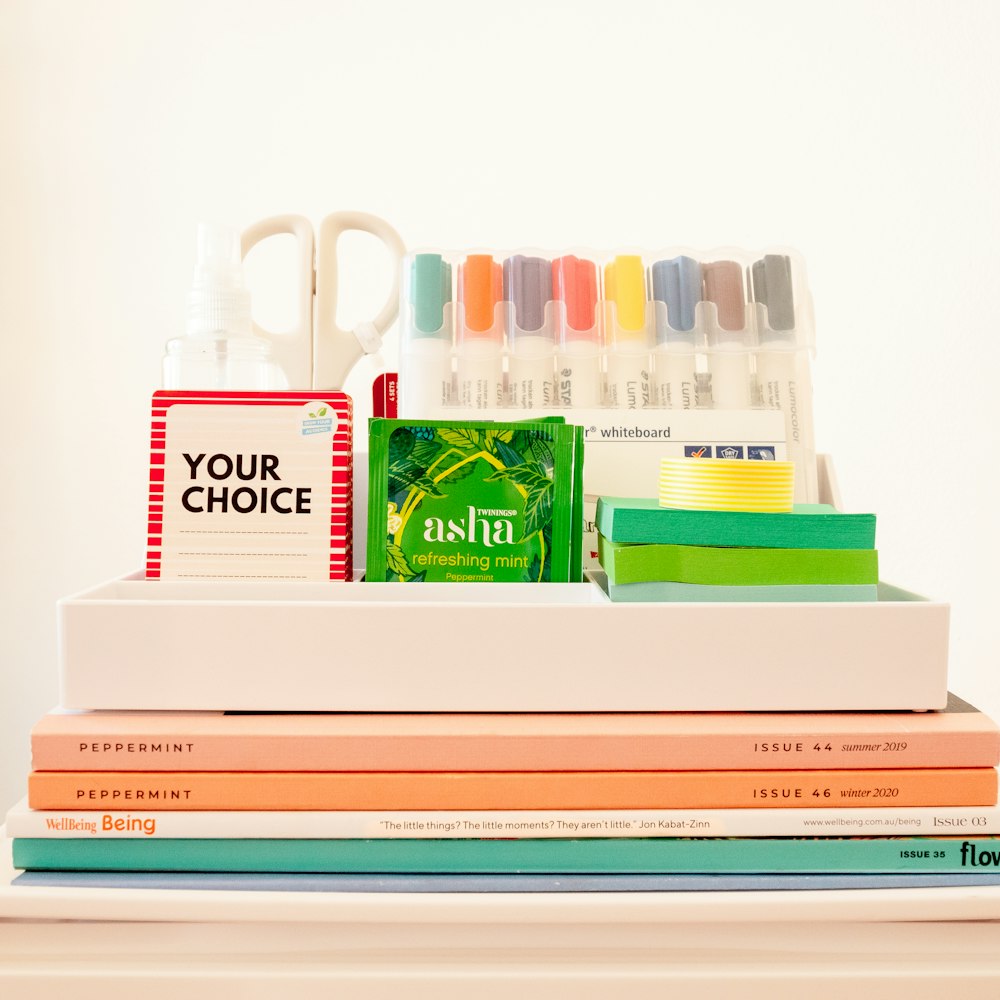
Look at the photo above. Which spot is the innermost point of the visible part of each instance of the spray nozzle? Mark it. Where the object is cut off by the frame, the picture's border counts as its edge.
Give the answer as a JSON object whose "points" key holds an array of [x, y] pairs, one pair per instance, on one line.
{"points": [[219, 302]]}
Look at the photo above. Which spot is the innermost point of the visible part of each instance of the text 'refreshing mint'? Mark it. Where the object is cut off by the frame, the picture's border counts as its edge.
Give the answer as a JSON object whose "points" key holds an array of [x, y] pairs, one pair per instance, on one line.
{"points": [[475, 501]]}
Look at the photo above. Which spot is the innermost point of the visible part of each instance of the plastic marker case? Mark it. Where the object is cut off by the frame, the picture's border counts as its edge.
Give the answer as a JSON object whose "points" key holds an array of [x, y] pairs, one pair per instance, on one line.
{"points": [[675, 329]]}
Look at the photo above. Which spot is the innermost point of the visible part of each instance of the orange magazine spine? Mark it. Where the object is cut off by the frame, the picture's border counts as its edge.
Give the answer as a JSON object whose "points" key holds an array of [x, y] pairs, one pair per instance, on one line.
{"points": [[124, 790], [67, 743]]}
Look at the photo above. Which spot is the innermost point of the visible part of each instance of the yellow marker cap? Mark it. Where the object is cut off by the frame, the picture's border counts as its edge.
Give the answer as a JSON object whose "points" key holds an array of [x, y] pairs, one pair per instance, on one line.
{"points": [[625, 286]]}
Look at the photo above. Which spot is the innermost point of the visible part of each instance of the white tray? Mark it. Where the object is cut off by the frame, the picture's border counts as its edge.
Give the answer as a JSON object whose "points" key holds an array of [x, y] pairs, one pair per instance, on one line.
{"points": [[390, 647]]}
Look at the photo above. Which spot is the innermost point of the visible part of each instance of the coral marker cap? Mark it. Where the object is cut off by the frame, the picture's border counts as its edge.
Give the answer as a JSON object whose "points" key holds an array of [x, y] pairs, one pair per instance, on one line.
{"points": [[574, 283]]}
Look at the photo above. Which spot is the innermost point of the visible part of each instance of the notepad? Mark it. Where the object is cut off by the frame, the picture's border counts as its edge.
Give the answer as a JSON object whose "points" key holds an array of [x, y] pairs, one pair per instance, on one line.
{"points": [[735, 566], [806, 526], [667, 591]]}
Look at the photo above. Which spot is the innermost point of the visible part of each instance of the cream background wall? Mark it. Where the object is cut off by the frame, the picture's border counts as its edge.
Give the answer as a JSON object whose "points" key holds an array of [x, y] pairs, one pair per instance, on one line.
{"points": [[864, 134]]}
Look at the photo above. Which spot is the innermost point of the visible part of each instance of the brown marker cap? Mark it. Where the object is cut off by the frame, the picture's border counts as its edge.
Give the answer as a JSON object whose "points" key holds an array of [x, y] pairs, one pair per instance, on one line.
{"points": [[724, 286]]}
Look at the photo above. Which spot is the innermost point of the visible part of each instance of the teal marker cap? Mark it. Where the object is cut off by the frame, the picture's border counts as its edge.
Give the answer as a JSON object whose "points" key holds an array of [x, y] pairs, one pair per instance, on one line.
{"points": [[430, 292]]}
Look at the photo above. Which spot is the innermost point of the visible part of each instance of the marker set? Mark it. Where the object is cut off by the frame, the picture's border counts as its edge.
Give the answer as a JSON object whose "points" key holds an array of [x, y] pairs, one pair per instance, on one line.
{"points": [[678, 330], [725, 329]]}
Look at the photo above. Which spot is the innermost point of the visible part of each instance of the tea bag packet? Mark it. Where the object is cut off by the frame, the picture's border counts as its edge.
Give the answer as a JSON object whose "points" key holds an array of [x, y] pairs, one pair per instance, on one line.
{"points": [[475, 501]]}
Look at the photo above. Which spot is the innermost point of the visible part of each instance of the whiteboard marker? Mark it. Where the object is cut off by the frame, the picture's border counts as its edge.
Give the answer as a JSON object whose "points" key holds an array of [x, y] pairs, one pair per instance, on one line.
{"points": [[579, 378], [425, 376], [727, 335], [675, 290], [627, 333], [783, 367], [527, 292], [480, 333]]}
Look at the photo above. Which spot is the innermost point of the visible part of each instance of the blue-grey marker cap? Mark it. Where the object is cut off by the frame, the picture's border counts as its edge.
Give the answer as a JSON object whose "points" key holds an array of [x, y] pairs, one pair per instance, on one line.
{"points": [[676, 283]]}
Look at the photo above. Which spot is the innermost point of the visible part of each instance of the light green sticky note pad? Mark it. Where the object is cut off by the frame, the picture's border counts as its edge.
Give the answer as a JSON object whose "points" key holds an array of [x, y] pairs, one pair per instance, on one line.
{"points": [[669, 592], [735, 566]]}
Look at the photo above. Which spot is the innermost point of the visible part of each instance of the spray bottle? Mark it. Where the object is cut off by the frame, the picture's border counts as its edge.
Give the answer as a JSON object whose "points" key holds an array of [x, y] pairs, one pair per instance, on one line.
{"points": [[220, 350]]}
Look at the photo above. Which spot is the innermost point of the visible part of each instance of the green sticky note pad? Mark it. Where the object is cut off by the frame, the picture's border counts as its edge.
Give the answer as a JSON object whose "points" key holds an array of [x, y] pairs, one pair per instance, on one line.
{"points": [[806, 526]]}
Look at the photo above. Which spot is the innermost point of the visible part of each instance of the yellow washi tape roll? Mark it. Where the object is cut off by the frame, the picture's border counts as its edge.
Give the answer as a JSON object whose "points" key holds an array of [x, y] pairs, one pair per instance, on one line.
{"points": [[727, 484]]}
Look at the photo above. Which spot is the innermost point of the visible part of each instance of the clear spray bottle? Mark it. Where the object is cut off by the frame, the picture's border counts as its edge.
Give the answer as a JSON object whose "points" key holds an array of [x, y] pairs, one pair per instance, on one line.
{"points": [[220, 349]]}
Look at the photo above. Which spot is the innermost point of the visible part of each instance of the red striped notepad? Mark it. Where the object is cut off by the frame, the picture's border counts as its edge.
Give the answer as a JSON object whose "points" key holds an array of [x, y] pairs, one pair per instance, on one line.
{"points": [[250, 486]]}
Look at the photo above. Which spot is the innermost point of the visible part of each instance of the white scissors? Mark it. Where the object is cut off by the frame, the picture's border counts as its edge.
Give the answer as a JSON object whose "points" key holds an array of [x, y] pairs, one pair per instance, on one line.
{"points": [[317, 354]]}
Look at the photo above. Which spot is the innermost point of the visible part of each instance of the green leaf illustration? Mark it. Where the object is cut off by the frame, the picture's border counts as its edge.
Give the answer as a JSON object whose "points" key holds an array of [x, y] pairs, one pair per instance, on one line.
{"points": [[492, 438], [424, 452], [322, 411], [528, 474], [537, 509], [427, 485], [538, 500], [459, 472], [395, 561], [508, 455], [418, 577], [534, 571], [541, 451], [400, 445], [523, 439], [403, 475], [463, 438]]}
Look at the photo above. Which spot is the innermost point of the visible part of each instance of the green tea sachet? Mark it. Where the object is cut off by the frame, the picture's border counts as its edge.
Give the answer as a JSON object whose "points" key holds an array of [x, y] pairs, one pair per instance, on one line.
{"points": [[475, 501]]}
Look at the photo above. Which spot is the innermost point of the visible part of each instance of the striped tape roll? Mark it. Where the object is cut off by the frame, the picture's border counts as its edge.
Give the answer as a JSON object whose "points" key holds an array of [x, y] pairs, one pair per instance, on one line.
{"points": [[727, 484]]}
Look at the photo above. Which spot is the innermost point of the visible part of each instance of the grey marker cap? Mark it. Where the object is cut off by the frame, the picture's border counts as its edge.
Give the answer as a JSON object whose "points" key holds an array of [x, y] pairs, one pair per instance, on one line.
{"points": [[771, 283]]}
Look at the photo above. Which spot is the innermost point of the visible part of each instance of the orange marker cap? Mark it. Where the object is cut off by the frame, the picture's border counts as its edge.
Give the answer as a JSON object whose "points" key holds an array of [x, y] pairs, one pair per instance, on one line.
{"points": [[480, 288]]}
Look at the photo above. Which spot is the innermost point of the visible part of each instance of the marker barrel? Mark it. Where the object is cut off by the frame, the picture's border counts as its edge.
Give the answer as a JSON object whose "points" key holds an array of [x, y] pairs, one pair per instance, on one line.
{"points": [[480, 378], [628, 379], [531, 373], [425, 377], [674, 378], [579, 375]]}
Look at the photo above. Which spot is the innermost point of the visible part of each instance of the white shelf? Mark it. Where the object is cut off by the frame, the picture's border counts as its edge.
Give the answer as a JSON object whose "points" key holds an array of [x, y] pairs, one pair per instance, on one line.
{"points": [[494, 908]]}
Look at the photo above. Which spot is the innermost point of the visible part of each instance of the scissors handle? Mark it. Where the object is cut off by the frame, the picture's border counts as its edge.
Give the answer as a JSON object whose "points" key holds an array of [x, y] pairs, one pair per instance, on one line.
{"points": [[291, 350], [316, 353], [335, 351]]}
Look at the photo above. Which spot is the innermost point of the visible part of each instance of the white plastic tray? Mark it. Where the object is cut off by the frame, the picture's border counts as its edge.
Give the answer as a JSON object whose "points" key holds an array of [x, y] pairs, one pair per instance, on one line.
{"points": [[387, 647], [512, 647]]}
